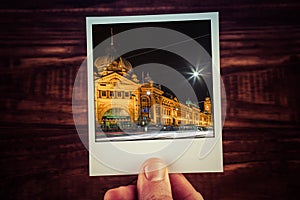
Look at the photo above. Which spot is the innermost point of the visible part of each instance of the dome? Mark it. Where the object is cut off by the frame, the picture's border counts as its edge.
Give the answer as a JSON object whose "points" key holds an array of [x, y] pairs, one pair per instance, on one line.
{"points": [[112, 63], [109, 64], [101, 63]]}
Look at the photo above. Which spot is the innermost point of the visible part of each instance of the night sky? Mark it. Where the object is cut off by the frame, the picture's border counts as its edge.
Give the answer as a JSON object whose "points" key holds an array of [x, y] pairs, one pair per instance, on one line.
{"points": [[197, 30]]}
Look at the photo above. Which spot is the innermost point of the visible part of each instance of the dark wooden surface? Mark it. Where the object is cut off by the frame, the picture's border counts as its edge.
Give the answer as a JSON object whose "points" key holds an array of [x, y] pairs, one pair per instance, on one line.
{"points": [[42, 46]]}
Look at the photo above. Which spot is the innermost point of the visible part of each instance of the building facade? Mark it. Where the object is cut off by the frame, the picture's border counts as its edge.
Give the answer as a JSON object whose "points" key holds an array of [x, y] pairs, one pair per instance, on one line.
{"points": [[121, 100]]}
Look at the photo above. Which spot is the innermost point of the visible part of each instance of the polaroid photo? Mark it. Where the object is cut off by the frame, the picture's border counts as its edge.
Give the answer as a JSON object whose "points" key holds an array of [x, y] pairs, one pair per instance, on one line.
{"points": [[154, 91]]}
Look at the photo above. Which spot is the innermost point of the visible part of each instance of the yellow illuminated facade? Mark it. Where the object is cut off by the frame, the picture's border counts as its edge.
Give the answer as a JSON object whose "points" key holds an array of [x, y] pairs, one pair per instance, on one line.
{"points": [[121, 100]]}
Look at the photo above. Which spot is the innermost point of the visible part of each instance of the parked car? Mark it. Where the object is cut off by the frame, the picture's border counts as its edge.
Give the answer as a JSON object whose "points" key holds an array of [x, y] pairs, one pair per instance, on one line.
{"points": [[169, 128], [188, 127], [202, 128], [154, 127]]}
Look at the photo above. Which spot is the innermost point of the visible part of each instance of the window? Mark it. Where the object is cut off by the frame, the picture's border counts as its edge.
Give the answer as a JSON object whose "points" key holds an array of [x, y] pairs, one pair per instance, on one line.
{"points": [[119, 94], [103, 93], [112, 94], [126, 94]]}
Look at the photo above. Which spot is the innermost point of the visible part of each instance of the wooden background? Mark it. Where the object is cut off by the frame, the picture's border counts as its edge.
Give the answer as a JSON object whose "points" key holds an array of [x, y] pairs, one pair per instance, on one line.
{"points": [[42, 46]]}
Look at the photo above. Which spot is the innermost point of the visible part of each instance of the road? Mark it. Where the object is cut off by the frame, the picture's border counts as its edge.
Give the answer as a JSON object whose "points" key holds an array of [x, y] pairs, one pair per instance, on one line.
{"points": [[120, 136]]}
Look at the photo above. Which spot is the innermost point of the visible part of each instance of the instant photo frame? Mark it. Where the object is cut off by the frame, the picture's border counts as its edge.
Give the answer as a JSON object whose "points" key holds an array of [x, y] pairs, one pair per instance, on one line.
{"points": [[154, 91]]}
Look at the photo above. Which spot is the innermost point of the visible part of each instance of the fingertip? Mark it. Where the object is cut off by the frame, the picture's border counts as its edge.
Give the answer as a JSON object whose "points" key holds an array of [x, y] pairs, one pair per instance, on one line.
{"points": [[123, 192], [110, 194], [153, 180], [183, 189], [154, 169]]}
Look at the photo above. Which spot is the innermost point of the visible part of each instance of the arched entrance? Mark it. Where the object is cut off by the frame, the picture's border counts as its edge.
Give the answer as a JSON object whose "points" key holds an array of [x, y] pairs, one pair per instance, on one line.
{"points": [[115, 119]]}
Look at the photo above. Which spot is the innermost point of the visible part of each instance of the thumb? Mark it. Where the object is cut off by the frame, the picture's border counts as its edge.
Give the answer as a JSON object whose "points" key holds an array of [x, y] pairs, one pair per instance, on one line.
{"points": [[153, 181]]}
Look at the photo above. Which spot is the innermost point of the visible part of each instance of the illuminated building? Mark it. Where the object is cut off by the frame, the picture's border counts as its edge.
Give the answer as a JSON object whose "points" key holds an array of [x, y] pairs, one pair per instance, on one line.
{"points": [[123, 101]]}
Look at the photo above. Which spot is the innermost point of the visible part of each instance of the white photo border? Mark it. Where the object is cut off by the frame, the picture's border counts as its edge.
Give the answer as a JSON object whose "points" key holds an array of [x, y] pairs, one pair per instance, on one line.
{"points": [[201, 155]]}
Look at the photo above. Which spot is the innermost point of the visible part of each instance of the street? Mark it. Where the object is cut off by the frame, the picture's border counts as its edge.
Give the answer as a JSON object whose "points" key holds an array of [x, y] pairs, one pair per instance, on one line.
{"points": [[121, 136]]}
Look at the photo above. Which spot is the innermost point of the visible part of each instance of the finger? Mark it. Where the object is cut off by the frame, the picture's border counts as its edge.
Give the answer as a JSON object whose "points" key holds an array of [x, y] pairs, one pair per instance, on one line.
{"points": [[153, 181], [183, 189], [121, 193]]}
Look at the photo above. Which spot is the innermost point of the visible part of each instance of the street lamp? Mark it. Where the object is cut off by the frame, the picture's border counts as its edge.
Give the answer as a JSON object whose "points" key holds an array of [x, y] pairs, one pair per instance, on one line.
{"points": [[195, 74]]}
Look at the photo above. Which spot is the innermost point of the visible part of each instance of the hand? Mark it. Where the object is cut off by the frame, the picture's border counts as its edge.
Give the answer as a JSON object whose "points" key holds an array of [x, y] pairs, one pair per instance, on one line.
{"points": [[154, 183]]}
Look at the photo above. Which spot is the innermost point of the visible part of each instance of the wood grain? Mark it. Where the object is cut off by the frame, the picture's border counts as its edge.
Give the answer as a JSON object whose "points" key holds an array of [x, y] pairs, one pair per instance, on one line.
{"points": [[43, 45]]}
